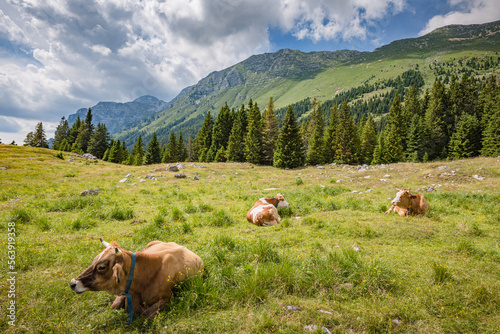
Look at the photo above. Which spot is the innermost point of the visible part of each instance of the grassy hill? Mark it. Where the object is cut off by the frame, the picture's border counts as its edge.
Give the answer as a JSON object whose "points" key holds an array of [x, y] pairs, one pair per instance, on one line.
{"points": [[336, 260], [290, 76]]}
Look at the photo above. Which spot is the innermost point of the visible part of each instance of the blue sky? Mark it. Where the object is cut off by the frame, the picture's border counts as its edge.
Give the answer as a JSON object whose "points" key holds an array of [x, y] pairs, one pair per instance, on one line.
{"points": [[61, 55]]}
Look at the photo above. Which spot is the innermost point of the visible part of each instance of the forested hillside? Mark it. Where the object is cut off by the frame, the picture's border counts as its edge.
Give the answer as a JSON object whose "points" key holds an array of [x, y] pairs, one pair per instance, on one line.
{"points": [[367, 80]]}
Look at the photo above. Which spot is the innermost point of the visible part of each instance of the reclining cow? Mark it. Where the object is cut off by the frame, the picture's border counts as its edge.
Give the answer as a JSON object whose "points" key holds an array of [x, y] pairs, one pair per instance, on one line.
{"points": [[265, 211], [157, 269], [405, 203]]}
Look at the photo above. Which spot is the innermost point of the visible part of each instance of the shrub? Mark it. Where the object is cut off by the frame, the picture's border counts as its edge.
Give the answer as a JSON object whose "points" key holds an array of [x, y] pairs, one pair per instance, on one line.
{"points": [[220, 218], [121, 214], [21, 216], [82, 224], [440, 273]]}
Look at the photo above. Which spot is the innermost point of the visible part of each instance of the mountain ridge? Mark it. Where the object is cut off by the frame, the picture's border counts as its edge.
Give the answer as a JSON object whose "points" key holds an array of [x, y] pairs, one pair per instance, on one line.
{"points": [[290, 75]]}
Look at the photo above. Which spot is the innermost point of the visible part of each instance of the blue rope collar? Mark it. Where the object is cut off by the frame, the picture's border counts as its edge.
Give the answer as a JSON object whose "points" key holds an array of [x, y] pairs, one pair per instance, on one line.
{"points": [[129, 282], [276, 202]]}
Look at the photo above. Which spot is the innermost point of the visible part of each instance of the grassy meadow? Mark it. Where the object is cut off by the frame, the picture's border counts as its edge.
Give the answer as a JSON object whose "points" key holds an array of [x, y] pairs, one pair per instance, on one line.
{"points": [[336, 263]]}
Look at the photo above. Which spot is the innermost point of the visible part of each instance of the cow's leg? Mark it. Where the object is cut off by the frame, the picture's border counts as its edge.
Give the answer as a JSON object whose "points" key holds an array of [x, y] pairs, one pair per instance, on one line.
{"points": [[401, 212], [392, 208], [118, 303], [271, 223], [153, 309]]}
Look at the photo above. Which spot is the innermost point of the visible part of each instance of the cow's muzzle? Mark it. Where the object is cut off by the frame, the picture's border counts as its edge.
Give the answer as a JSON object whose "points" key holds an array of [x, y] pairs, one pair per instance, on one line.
{"points": [[77, 286]]}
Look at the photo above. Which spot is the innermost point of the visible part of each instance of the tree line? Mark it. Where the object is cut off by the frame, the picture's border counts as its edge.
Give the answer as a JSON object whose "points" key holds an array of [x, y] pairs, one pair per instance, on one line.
{"points": [[458, 120]]}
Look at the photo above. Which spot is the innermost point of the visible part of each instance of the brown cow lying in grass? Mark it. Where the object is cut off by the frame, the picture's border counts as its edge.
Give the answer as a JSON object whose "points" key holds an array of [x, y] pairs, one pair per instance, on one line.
{"points": [[265, 211], [157, 269], [406, 203]]}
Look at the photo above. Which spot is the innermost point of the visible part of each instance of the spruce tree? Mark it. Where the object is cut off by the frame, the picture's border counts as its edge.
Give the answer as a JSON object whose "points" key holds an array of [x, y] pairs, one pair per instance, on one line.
{"points": [[190, 150], [393, 135], [235, 146], [39, 139], [73, 132], [466, 140], [203, 139], [115, 152], [415, 144], [253, 138], [85, 132], [346, 137], [171, 151], [153, 154], [436, 128], [106, 153], [331, 136], [125, 152], [288, 151], [269, 133], [491, 133], [315, 153], [181, 149], [220, 132], [136, 158], [61, 133], [64, 146], [99, 141], [28, 141], [379, 153], [368, 141]]}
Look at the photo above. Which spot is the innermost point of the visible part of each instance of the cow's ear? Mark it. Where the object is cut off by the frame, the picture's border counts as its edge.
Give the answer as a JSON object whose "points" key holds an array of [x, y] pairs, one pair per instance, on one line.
{"points": [[413, 196], [117, 270]]}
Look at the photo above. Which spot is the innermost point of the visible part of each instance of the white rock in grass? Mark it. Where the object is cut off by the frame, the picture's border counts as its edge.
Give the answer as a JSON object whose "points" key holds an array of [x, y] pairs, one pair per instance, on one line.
{"points": [[310, 328], [123, 180]]}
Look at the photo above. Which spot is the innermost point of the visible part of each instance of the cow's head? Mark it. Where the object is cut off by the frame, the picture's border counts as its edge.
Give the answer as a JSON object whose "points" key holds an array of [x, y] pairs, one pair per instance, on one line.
{"points": [[104, 274], [281, 202], [403, 198]]}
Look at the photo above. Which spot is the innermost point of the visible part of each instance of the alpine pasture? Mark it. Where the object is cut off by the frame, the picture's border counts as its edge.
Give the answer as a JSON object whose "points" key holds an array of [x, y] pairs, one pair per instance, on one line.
{"points": [[336, 263]]}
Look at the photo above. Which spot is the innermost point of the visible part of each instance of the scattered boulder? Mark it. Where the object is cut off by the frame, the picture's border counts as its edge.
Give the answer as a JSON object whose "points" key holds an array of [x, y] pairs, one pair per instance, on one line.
{"points": [[180, 166], [320, 167], [291, 308], [196, 177], [3, 168], [173, 169], [180, 175], [129, 175], [383, 180], [338, 181], [89, 192], [477, 177], [151, 177], [123, 180], [89, 156]]}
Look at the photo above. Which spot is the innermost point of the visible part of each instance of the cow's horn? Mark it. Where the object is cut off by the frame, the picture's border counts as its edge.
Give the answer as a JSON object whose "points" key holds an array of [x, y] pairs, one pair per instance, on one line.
{"points": [[118, 251], [106, 244]]}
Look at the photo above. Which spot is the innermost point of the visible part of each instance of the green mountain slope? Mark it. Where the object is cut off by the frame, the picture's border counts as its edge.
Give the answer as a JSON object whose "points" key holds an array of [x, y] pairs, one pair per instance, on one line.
{"points": [[290, 76]]}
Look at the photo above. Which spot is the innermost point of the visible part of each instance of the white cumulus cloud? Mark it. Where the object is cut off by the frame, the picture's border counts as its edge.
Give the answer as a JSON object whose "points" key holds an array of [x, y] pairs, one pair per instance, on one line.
{"points": [[60, 55], [465, 12]]}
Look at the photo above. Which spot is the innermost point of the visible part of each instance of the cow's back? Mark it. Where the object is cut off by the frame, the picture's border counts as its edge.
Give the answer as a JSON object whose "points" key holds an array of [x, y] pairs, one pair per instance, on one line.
{"points": [[174, 258], [251, 212], [420, 204]]}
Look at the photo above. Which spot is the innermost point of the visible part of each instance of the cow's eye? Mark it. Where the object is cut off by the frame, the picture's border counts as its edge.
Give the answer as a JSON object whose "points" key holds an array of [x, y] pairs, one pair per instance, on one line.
{"points": [[101, 267]]}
